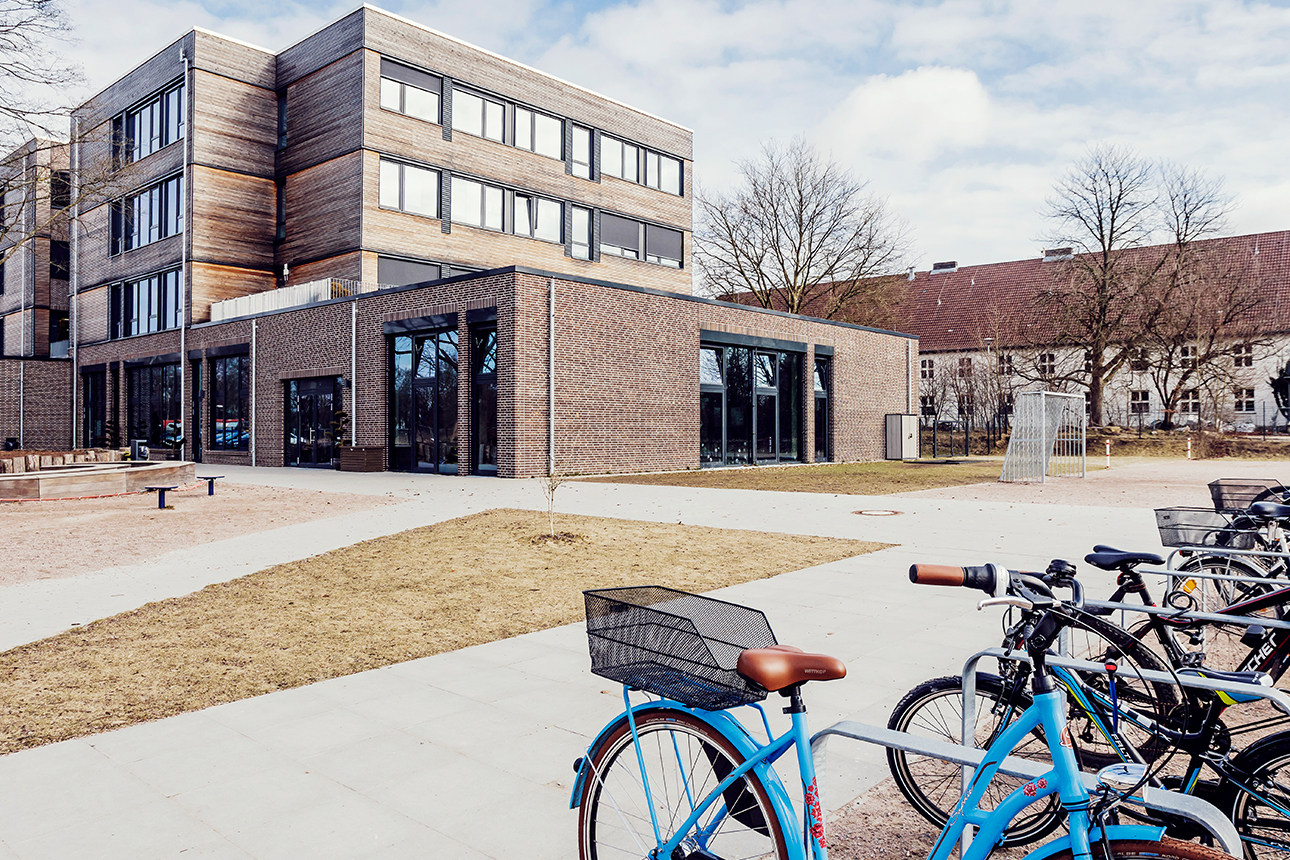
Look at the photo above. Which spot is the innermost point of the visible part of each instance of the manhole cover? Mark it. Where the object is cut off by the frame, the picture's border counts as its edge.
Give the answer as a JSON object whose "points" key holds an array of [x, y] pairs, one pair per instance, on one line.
{"points": [[878, 513]]}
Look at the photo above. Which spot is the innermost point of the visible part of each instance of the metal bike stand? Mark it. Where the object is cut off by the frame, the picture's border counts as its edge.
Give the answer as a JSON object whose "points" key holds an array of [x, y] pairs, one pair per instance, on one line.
{"points": [[1187, 806]]}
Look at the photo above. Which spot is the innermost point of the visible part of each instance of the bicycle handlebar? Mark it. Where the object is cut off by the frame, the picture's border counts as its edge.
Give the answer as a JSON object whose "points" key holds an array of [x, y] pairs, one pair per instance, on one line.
{"points": [[982, 578]]}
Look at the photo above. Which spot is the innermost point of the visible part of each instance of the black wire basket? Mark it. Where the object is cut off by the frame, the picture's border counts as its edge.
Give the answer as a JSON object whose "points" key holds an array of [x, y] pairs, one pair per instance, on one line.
{"points": [[1203, 527], [675, 644], [1234, 495]]}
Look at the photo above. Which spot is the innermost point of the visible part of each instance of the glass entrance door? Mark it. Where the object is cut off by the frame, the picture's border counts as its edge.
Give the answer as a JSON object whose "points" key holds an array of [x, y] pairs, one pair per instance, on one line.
{"points": [[309, 416], [483, 406]]}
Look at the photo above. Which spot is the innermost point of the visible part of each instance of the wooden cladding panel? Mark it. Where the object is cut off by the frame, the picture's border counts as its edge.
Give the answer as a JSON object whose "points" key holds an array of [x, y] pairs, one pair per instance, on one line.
{"points": [[233, 217], [237, 124], [324, 208], [235, 60], [162, 68], [92, 315], [141, 261], [397, 39], [324, 114], [212, 283], [343, 266], [311, 54]]}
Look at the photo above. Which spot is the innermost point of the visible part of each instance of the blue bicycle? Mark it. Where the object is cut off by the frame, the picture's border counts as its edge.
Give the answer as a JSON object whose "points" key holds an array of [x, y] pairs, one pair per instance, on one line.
{"points": [[679, 778]]}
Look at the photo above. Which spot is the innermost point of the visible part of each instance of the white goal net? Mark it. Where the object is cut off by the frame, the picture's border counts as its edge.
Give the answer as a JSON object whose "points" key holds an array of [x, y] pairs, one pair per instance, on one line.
{"points": [[1048, 437]]}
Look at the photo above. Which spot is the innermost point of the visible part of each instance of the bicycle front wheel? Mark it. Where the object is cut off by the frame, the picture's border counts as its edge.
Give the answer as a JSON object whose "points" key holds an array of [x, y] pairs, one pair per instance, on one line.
{"points": [[1165, 849], [1258, 809], [934, 709], [685, 759]]}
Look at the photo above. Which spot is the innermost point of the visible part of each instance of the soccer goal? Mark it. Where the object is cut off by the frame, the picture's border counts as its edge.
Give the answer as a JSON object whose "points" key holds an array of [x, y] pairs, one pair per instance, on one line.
{"points": [[1048, 437]]}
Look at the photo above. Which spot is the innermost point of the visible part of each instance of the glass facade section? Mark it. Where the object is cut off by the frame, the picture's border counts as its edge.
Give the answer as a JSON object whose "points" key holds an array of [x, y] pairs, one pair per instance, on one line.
{"points": [[309, 420], [750, 406], [229, 394], [94, 391], [152, 404], [821, 384], [483, 351], [423, 425]]}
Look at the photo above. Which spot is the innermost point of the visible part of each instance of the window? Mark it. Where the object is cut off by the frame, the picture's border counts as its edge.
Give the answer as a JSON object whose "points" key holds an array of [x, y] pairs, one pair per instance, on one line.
{"points": [[1007, 404], [1243, 355], [60, 259], [282, 120], [146, 305], [1088, 361], [148, 216], [1244, 400], [965, 367], [643, 166], [927, 406], [539, 133], [927, 368], [60, 189], [1138, 361], [580, 240], [476, 204], [580, 157], [152, 404], [1, 283], [538, 218], [1047, 364], [229, 393], [1189, 401], [1006, 367], [623, 237], [477, 115], [280, 224], [410, 91], [151, 126], [1187, 358], [1139, 402], [408, 188], [966, 405]]}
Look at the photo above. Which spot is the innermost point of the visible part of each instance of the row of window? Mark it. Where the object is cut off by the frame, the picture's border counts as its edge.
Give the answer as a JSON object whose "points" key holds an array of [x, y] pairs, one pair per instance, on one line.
{"points": [[145, 305], [148, 215], [418, 94], [1046, 362], [149, 127], [1139, 402], [413, 189]]}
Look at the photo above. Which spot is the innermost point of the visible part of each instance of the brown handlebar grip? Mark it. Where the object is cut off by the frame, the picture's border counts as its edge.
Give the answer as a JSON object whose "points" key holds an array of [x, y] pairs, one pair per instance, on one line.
{"points": [[936, 574]]}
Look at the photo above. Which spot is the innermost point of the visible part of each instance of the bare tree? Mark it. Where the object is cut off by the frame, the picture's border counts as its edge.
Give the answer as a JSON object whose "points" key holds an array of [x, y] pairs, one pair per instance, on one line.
{"points": [[1113, 292], [33, 70], [802, 235]]}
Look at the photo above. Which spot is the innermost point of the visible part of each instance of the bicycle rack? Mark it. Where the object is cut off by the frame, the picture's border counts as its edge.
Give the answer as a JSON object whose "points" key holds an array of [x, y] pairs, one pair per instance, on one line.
{"points": [[1187, 806]]}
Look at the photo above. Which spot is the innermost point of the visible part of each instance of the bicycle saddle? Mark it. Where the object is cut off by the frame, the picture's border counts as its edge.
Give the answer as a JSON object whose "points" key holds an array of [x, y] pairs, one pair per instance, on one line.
{"points": [[1269, 510], [1108, 558], [781, 666]]}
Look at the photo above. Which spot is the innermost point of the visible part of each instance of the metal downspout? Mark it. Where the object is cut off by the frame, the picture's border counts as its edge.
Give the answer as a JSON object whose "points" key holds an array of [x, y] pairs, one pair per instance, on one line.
{"points": [[550, 378], [74, 285], [254, 410], [184, 275], [353, 370]]}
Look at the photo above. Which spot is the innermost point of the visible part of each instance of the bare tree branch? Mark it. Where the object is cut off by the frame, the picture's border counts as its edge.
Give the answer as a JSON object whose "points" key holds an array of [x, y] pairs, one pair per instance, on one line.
{"points": [[801, 235]]}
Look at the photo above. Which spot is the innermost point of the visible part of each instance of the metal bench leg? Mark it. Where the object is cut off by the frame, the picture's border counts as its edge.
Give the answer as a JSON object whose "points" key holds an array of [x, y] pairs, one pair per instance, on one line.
{"points": [[161, 500]]}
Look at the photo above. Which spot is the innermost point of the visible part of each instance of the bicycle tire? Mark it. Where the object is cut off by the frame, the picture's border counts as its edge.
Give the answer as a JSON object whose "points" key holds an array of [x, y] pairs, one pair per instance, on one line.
{"points": [[934, 709], [1099, 641], [613, 816], [1264, 765], [1222, 643], [1139, 849]]}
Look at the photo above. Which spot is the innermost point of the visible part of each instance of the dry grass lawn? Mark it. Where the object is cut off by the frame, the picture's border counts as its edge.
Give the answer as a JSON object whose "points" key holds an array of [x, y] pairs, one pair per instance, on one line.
{"points": [[396, 598], [864, 479]]}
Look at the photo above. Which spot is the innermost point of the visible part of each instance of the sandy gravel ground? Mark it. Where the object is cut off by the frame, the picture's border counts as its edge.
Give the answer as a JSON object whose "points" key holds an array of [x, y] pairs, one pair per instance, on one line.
{"points": [[46, 540], [1131, 482]]}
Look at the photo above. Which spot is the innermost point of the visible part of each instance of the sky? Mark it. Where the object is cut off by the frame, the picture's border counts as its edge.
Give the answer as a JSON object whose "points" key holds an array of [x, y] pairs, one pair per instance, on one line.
{"points": [[960, 113]]}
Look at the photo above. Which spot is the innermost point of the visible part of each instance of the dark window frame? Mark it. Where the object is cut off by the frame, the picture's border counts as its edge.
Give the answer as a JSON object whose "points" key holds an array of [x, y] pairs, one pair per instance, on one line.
{"points": [[225, 390]]}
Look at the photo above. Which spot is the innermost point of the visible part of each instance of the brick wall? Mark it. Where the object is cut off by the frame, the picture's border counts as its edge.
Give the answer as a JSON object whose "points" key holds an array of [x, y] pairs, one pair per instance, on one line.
{"points": [[40, 414]]}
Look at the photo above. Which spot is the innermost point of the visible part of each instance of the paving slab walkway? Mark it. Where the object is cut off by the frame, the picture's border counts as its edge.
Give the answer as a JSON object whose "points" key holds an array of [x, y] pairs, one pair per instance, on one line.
{"points": [[468, 754]]}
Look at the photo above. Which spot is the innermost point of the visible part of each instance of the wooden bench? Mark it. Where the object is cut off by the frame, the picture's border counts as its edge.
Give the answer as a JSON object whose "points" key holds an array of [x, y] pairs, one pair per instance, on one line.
{"points": [[210, 482], [161, 494]]}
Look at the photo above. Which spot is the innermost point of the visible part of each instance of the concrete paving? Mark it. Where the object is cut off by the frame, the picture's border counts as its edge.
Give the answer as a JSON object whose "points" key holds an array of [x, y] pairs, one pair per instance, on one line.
{"points": [[469, 754]]}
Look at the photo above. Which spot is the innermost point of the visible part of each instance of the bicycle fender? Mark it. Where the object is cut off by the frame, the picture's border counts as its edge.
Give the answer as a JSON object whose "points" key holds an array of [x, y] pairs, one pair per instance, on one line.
{"points": [[1144, 832], [727, 725]]}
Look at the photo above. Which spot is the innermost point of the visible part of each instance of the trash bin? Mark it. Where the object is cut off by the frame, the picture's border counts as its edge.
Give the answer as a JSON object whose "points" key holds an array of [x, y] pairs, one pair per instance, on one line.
{"points": [[139, 449]]}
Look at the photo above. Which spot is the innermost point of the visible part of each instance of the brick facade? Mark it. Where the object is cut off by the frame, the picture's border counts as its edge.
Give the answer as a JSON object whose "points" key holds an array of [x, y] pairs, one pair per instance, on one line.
{"points": [[626, 369], [35, 402]]}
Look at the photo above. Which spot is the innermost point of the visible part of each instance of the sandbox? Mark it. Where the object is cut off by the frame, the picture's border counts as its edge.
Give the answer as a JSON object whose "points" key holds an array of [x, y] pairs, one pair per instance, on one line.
{"points": [[80, 480]]}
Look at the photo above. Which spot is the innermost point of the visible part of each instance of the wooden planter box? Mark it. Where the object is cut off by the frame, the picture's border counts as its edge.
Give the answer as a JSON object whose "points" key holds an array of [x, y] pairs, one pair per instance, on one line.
{"points": [[357, 458]]}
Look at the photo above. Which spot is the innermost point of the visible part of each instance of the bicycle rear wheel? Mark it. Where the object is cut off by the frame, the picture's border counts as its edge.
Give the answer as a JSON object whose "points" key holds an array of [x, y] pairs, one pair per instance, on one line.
{"points": [[1258, 811], [685, 759], [934, 709]]}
